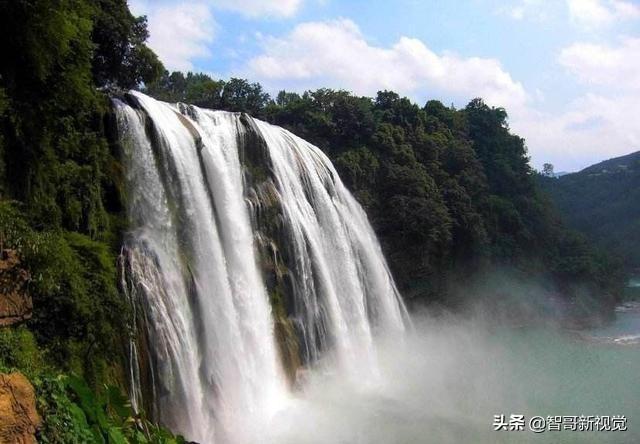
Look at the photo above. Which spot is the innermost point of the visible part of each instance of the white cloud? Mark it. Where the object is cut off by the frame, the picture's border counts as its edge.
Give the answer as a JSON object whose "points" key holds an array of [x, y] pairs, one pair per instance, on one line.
{"points": [[617, 67], [589, 14], [526, 9], [592, 128], [178, 33], [258, 8], [603, 122], [335, 53], [182, 30], [597, 13]]}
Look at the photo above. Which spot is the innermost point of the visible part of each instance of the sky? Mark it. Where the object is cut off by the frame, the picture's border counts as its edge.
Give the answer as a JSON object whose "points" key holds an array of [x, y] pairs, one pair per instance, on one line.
{"points": [[566, 71]]}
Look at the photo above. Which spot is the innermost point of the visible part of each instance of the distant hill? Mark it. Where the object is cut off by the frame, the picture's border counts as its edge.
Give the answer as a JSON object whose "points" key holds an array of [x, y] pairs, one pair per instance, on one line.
{"points": [[603, 201]]}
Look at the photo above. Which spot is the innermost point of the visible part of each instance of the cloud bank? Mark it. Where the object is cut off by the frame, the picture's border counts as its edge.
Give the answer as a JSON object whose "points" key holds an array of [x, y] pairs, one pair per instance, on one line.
{"points": [[598, 13], [335, 53], [182, 31]]}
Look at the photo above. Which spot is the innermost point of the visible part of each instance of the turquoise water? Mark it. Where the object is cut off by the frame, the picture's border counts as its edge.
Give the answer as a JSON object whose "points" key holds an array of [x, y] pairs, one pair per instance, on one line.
{"points": [[448, 380], [626, 329], [632, 292]]}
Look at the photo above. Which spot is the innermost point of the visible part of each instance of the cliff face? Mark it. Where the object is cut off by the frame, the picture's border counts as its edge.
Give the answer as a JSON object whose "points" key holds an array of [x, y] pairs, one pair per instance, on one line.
{"points": [[19, 419], [15, 302]]}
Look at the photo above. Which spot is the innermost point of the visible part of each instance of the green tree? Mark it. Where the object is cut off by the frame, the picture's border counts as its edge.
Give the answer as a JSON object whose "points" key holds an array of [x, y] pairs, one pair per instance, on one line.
{"points": [[121, 57], [547, 170]]}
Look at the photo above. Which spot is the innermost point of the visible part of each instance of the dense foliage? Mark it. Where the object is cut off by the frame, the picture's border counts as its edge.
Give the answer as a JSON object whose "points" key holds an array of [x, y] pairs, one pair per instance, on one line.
{"points": [[72, 411], [56, 161], [201, 90], [79, 316], [60, 207], [602, 201], [450, 192]]}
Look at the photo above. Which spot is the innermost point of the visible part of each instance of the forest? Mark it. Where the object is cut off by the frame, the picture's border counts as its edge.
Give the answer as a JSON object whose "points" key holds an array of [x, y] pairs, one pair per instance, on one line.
{"points": [[450, 193], [600, 202]]}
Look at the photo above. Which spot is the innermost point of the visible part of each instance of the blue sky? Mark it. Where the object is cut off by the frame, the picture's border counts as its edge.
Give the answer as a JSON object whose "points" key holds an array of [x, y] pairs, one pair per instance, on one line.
{"points": [[567, 71]]}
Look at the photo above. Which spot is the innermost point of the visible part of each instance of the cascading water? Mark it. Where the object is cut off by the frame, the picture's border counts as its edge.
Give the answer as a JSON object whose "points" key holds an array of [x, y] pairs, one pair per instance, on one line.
{"points": [[238, 226], [344, 286]]}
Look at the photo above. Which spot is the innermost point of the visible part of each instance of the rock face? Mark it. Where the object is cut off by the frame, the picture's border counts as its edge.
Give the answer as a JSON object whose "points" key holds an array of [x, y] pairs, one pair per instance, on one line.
{"points": [[19, 419], [15, 302]]}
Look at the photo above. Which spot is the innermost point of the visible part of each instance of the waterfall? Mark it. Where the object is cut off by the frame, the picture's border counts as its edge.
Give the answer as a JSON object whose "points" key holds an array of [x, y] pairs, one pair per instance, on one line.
{"points": [[246, 258]]}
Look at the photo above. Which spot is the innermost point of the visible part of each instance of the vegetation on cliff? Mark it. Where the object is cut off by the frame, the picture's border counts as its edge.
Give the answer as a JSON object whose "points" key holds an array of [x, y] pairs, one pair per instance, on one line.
{"points": [[60, 209]]}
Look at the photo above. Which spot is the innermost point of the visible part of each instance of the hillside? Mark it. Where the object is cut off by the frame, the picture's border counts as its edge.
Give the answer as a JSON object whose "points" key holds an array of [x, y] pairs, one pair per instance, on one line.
{"points": [[603, 201]]}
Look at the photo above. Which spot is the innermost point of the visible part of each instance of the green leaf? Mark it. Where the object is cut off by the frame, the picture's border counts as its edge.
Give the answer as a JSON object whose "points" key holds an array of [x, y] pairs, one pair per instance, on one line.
{"points": [[115, 436], [119, 403]]}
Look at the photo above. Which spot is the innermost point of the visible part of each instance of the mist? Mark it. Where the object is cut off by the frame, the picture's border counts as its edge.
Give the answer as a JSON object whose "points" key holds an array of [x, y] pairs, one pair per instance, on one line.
{"points": [[445, 382]]}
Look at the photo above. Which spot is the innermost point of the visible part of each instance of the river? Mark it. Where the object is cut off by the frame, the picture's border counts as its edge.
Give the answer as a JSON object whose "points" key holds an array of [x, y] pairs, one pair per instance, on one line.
{"points": [[450, 377]]}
